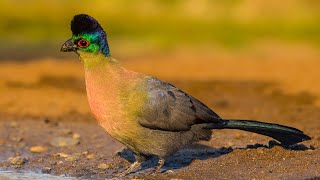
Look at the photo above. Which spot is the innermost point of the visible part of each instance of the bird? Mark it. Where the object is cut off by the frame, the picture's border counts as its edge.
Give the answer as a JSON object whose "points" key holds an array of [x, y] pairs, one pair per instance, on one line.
{"points": [[149, 116]]}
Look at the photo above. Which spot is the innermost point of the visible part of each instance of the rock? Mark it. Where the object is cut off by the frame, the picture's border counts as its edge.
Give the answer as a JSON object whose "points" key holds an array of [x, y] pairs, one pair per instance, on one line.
{"points": [[38, 149], [53, 163], [91, 156], [169, 171], [64, 141], [73, 157], [46, 170], [104, 166], [17, 160], [61, 155], [85, 152], [76, 136]]}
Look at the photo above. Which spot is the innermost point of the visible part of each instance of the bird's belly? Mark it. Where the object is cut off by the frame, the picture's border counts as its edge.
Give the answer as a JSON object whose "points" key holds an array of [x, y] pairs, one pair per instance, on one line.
{"points": [[136, 137]]}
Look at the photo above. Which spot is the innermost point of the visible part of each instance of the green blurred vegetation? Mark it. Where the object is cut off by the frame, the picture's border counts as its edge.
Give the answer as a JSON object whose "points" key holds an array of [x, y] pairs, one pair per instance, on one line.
{"points": [[164, 23]]}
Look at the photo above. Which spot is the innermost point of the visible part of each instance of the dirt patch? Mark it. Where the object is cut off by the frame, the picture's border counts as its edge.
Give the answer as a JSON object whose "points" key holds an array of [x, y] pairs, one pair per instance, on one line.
{"points": [[57, 108]]}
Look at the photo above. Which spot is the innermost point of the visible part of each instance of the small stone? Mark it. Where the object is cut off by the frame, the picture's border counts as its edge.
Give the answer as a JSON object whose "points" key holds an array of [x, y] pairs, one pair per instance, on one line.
{"points": [[38, 149], [91, 156], [64, 141], [61, 155], [308, 150], [104, 166], [85, 152], [60, 162], [73, 157], [53, 163], [17, 160], [76, 136], [46, 170], [170, 172]]}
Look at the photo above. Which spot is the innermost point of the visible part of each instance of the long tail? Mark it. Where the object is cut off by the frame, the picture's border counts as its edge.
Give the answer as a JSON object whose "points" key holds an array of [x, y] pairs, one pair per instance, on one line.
{"points": [[286, 135]]}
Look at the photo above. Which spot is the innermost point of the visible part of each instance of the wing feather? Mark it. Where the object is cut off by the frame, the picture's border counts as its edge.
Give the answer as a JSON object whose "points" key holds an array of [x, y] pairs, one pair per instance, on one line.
{"points": [[168, 108]]}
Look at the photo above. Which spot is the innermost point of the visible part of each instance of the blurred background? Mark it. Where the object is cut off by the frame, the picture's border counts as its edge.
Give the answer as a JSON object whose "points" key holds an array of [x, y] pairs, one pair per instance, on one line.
{"points": [[37, 28], [242, 40]]}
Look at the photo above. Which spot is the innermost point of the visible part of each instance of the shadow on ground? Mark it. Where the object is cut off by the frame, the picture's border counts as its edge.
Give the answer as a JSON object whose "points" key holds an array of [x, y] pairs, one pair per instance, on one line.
{"points": [[184, 157]]}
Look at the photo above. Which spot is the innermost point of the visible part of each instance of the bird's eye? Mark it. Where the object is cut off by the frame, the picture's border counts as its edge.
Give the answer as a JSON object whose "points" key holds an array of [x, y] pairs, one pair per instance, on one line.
{"points": [[83, 43]]}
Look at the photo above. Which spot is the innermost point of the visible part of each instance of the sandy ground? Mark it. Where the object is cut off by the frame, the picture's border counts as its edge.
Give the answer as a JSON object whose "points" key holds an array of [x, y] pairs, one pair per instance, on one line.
{"points": [[43, 100]]}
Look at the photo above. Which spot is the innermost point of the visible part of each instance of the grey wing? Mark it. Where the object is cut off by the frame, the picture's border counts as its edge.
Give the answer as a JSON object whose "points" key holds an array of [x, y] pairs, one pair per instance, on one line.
{"points": [[168, 108]]}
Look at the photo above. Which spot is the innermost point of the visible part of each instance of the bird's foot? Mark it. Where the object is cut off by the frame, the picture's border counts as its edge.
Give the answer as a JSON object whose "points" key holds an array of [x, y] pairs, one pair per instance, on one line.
{"points": [[135, 166], [160, 165]]}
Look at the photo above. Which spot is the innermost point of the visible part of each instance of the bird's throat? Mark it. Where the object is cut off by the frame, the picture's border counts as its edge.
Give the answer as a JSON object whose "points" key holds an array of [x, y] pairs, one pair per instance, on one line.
{"points": [[94, 60]]}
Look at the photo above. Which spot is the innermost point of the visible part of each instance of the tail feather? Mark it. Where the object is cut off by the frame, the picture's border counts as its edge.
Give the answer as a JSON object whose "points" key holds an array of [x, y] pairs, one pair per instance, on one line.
{"points": [[284, 134]]}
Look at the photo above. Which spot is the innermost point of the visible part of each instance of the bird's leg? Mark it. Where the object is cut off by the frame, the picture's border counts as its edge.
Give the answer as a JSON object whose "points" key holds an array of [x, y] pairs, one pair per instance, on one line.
{"points": [[135, 166], [160, 164]]}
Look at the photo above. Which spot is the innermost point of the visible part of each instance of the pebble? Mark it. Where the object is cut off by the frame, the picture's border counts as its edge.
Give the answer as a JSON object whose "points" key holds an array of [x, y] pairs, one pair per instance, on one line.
{"points": [[46, 170], [103, 166], [85, 152], [91, 156], [64, 141], [76, 136], [73, 157], [53, 163], [17, 160], [60, 162], [38, 149], [61, 155], [169, 171]]}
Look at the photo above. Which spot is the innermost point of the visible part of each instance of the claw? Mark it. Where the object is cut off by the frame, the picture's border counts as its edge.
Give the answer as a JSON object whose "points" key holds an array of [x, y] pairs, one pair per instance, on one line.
{"points": [[160, 165]]}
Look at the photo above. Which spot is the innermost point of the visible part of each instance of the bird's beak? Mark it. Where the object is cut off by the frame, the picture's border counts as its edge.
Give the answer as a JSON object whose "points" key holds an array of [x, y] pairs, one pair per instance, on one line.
{"points": [[68, 46]]}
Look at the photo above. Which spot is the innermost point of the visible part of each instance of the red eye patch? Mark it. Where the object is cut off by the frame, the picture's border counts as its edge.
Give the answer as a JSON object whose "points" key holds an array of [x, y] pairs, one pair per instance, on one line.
{"points": [[83, 43]]}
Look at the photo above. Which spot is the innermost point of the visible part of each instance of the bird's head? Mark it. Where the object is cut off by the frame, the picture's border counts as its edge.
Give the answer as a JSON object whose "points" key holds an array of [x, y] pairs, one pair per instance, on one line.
{"points": [[88, 37]]}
